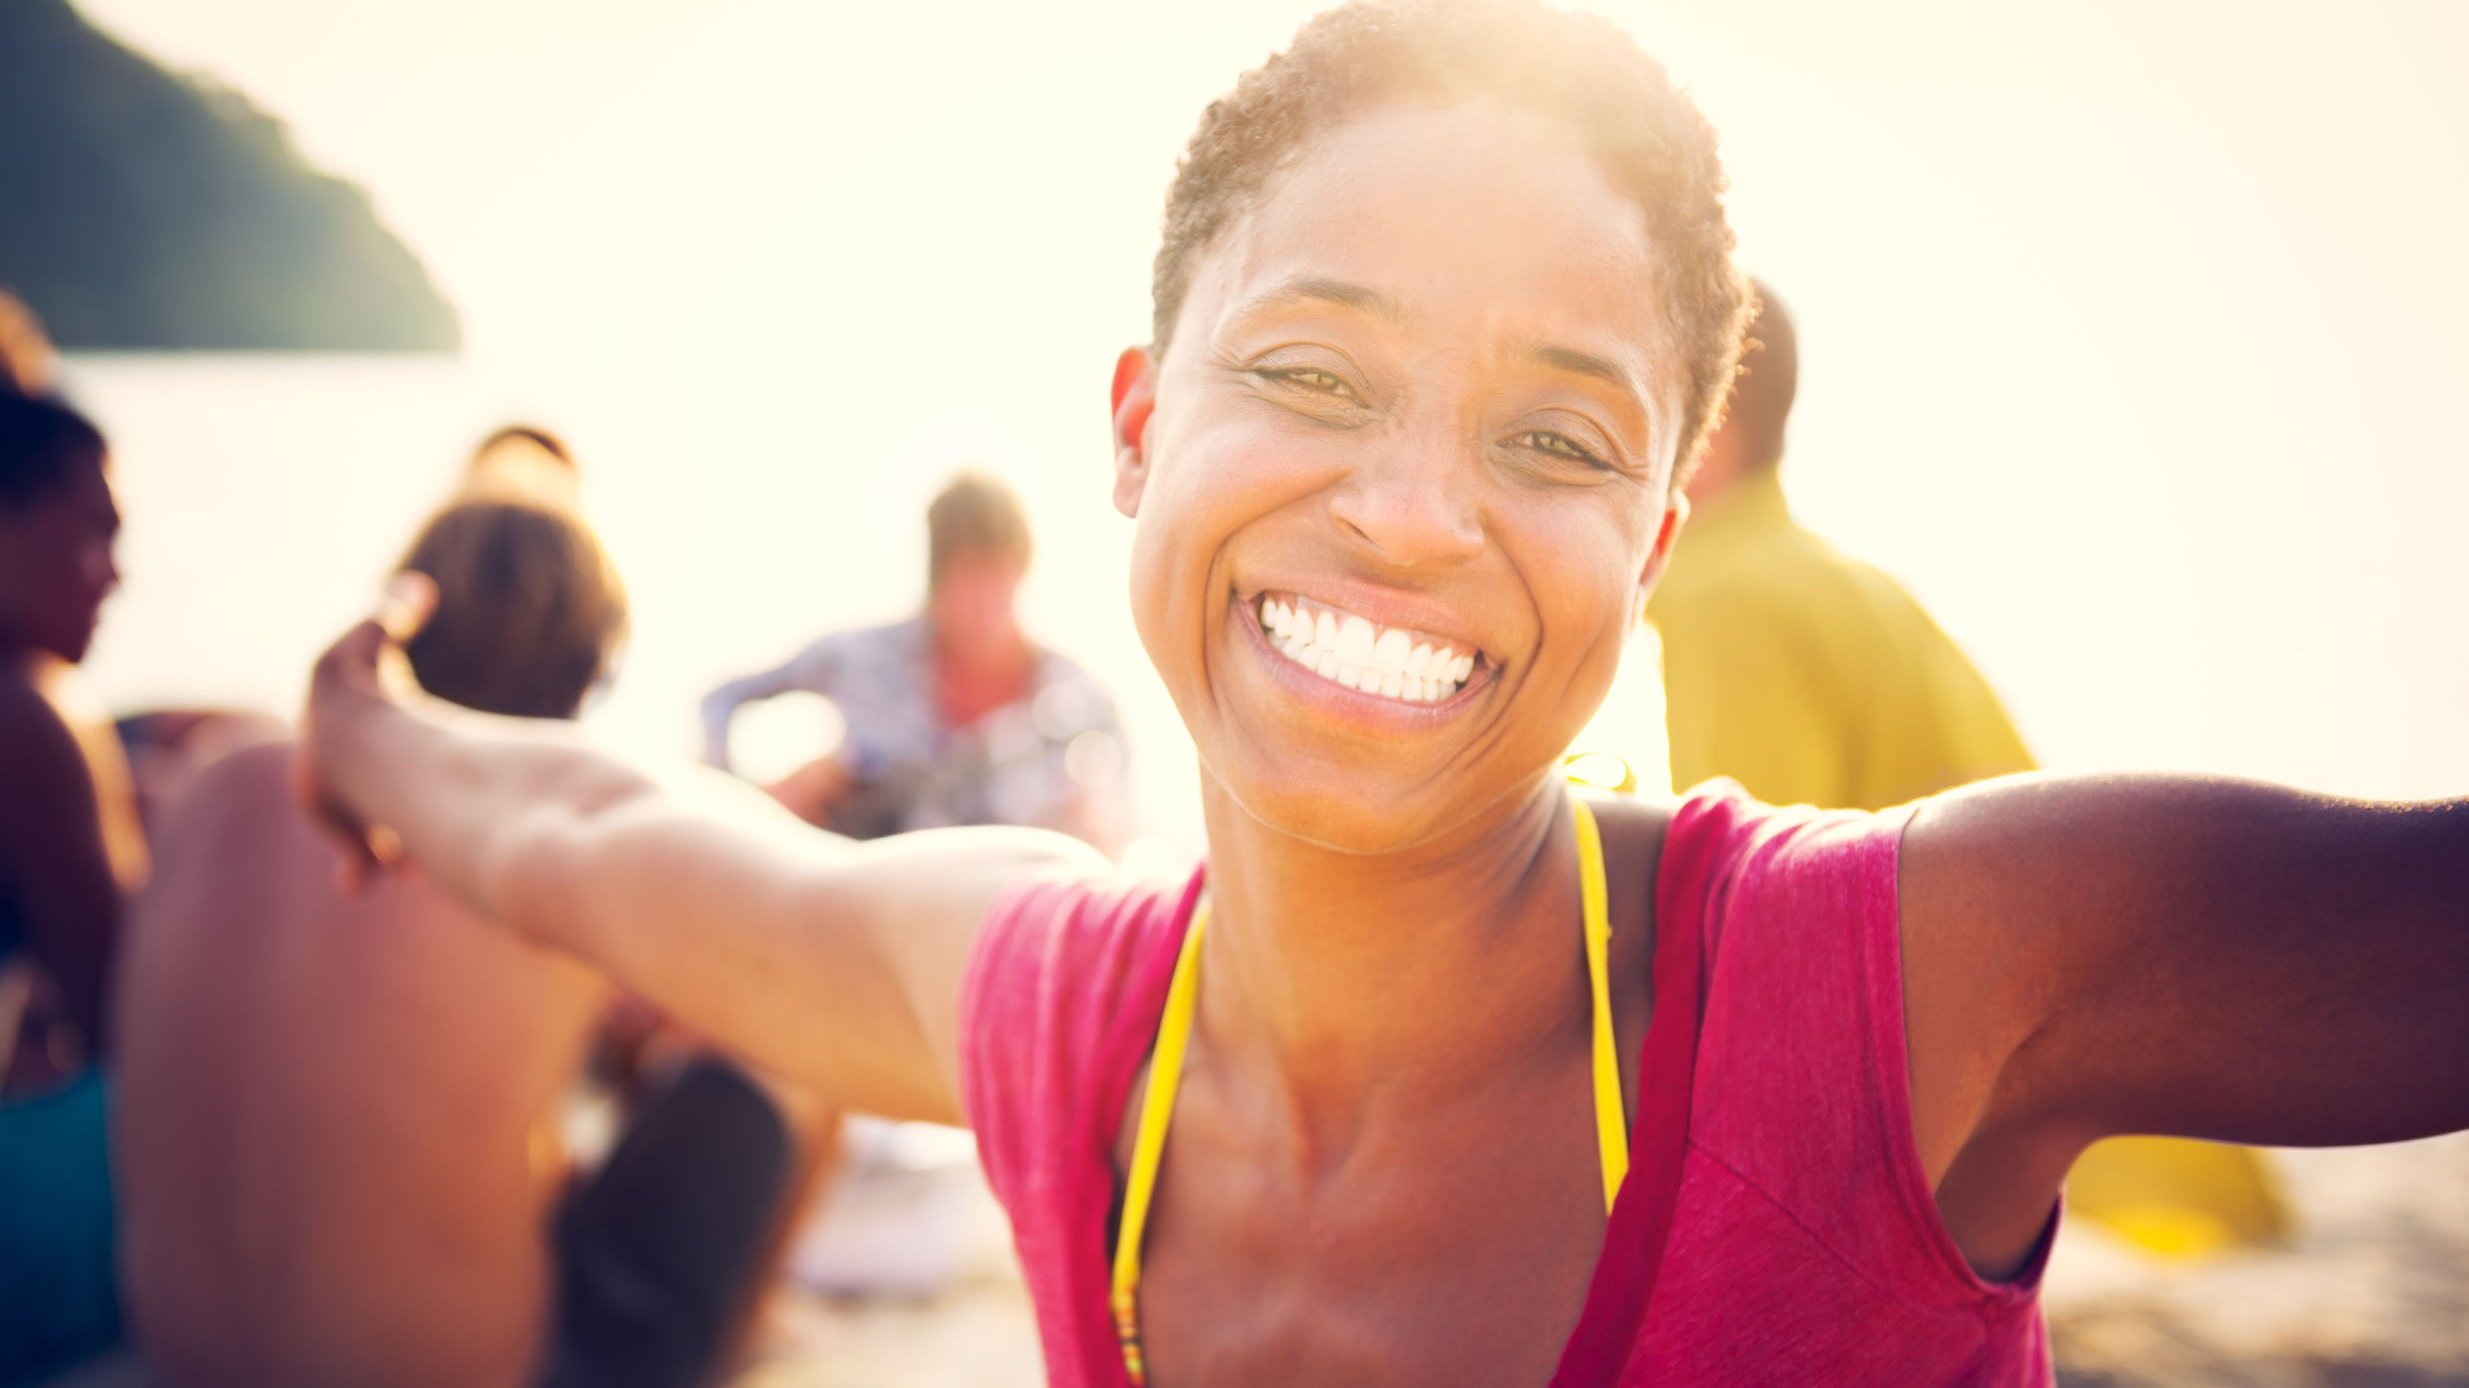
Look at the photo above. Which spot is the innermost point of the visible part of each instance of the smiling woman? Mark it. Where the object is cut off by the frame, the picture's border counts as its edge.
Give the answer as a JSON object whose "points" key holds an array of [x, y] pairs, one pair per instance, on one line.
{"points": [[1434, 1074], [1472, 443]]}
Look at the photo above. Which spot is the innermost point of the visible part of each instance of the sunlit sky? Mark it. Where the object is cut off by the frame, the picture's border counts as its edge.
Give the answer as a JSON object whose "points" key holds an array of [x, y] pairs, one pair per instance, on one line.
{"points": [[2162, 305]]}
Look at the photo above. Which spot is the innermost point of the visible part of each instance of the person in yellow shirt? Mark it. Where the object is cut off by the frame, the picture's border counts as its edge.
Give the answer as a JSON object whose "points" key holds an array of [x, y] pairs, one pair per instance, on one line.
{"points": [[1812, 678], [1803, 673]]}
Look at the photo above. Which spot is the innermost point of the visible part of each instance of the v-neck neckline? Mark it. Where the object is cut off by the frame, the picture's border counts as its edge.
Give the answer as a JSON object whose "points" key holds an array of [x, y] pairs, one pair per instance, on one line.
{"points": [[1626, 1267]]}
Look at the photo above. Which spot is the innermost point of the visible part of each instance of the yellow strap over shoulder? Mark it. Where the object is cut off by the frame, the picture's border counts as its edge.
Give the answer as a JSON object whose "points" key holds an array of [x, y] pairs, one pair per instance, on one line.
{"points": [[1174, 1032], [1611, 1117]]}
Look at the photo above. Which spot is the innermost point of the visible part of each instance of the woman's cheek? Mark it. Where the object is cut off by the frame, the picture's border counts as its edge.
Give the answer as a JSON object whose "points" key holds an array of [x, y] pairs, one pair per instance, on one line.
{"points": [[1587, 571]]}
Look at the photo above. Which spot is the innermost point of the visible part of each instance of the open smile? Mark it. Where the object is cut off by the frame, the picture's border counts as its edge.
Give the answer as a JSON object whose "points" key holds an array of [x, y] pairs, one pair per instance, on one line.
{"points": [[1393, 663]]}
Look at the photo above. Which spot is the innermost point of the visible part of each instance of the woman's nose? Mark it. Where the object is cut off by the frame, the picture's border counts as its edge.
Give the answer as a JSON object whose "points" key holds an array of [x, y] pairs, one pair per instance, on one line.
{"points": [[1413, 503]]}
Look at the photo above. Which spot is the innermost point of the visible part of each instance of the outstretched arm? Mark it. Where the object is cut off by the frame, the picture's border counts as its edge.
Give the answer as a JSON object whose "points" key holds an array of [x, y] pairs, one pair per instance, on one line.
{"points": [[833, 964], [2207, 958]]}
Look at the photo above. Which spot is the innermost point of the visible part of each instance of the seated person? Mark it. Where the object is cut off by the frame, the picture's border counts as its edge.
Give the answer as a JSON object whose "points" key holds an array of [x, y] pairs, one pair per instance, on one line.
{"points": [[70, 850], [337, 1115], [953, 716]]}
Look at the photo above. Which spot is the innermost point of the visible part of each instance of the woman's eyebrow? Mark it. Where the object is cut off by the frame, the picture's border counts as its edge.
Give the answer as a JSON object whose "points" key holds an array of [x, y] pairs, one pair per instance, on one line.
{"points": [[1314, 289], [1578, 363]]}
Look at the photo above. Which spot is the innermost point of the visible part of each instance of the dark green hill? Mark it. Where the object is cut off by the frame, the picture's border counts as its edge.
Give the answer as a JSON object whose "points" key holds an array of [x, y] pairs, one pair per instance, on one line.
{"points": [[143, 210]]}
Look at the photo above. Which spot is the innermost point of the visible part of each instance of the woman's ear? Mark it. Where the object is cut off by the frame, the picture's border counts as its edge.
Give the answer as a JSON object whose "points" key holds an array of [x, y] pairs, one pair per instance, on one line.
{"points": [[1675, 515], [1134, 398]]}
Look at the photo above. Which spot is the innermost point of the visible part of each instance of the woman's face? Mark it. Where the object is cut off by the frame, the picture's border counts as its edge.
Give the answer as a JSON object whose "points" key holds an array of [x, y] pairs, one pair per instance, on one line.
{"points": [[1416, 401], [56, 564]]}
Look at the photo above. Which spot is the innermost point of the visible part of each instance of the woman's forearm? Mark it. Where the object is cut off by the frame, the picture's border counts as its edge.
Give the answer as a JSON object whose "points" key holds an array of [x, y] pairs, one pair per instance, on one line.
{"points": [[833, 963], [469, 795]]}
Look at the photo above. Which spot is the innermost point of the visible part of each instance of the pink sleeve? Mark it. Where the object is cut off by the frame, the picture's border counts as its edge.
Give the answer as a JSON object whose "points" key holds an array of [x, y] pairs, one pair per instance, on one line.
{"points": [[1058, 1009], [1003, 999]]}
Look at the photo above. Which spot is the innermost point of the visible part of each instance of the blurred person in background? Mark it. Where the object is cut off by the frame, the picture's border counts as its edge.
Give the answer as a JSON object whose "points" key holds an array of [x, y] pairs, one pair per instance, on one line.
{"points": [[1804, 674], [954, 716], [338, 1116], [1812, 678], [70, 851]]}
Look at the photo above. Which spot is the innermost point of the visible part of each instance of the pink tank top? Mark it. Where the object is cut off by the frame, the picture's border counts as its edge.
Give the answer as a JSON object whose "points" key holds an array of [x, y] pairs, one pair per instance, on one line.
{"points": [[1776, 1226]]}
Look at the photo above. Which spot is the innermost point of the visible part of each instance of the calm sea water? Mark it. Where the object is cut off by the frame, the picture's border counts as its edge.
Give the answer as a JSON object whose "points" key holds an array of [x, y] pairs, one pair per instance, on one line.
{"points": [[2289, 636]]}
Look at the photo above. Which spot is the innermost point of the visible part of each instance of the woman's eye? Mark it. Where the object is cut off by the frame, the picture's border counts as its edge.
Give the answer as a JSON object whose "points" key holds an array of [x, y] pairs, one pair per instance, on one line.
{"points": [[1558, 445], [1312, 378]]}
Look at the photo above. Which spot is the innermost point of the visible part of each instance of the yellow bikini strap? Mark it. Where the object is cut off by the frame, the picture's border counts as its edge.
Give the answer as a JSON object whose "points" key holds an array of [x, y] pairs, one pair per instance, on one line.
{"points": [[1156, 1108], [1174, 1031], [1611, 1117]]}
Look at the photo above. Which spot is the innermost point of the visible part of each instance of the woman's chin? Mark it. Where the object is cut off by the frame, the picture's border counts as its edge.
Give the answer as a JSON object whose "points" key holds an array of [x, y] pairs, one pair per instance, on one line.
{"points": [[1338, 810]]}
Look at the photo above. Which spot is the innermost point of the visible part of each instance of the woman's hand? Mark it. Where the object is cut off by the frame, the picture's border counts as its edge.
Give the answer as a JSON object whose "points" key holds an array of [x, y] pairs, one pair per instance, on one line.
{"points": [[361, 677]]}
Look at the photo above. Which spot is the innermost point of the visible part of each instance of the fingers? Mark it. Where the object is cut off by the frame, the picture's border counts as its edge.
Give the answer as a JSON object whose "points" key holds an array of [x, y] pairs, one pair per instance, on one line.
{"points": [[356, 658], [357, 851], [352, 667]]}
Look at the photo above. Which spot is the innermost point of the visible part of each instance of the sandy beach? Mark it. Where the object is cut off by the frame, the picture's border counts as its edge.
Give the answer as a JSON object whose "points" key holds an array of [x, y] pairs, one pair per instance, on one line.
{"points": [[2373, 1293]]}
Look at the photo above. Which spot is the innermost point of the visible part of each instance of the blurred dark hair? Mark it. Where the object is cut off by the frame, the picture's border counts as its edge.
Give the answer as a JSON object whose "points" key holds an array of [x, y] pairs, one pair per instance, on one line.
{"points": [[1769, 380], [42, 444], [530, 611]]}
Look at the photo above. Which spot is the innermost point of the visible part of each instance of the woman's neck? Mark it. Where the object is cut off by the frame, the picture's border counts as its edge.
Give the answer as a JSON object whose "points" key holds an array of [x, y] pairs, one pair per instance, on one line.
{"points": [[1340, 985]]}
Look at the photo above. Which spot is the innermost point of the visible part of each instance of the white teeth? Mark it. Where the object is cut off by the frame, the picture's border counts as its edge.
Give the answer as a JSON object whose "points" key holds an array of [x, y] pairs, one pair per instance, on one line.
{"points": [[1350, 651], [1354, 641], [1391, 651]]}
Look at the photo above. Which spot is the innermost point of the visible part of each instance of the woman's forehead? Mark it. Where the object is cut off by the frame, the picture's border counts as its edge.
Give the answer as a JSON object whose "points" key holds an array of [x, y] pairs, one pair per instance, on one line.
{"points": [[1436, 206], [1475, 225]]}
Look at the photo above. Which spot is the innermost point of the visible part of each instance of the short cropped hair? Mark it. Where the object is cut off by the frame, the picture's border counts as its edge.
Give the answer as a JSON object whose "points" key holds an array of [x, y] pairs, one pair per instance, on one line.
{"points": [[1578, 70], [974, 517], [530, 611]]}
